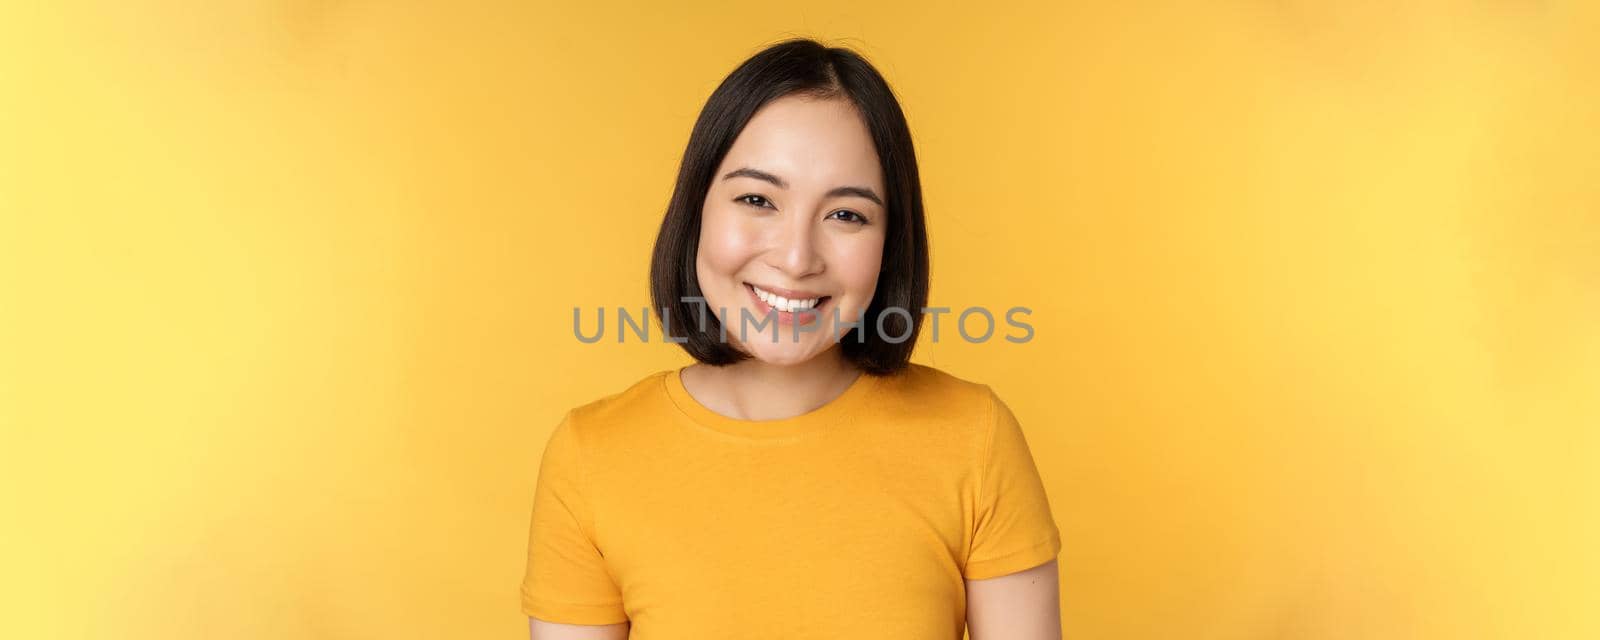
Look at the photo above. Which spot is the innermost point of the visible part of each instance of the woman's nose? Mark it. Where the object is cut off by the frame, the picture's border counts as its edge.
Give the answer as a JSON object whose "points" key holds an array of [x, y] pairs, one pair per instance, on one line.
{"points": [[796, 250]]}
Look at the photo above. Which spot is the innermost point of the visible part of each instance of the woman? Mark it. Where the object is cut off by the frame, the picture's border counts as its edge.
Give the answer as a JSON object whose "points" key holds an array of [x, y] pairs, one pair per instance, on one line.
{"points": [[803, 479]]}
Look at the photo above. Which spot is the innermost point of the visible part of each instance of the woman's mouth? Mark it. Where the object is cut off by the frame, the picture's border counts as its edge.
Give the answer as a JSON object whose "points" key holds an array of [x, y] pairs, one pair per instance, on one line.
{"points": [[788, 311]]}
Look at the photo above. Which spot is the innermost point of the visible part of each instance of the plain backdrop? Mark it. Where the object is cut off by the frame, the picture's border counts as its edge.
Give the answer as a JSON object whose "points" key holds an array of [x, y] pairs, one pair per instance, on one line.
{"points": [[286, 295]]}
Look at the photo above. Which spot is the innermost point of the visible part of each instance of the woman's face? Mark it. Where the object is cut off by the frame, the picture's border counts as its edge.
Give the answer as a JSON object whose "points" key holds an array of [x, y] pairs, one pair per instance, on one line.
{"points": [[794, 218]]}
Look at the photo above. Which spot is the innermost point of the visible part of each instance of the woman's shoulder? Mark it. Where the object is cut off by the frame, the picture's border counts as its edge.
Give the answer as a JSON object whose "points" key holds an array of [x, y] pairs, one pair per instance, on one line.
{"points": [[929, 374], [930, 378], [934, 389], [642, 394]]}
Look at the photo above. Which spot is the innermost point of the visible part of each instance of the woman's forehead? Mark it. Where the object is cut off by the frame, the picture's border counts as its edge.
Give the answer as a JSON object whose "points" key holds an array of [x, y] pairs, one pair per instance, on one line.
{"points": [[809, 143]]}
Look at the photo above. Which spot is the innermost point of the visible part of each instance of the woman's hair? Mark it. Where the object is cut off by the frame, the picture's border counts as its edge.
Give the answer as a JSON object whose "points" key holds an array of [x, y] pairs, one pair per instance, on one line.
{"points": [[803, 67]]}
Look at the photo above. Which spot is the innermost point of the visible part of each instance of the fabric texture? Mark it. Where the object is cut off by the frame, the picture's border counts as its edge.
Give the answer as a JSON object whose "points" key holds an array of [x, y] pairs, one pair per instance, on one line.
{"points": [[860, 519]]}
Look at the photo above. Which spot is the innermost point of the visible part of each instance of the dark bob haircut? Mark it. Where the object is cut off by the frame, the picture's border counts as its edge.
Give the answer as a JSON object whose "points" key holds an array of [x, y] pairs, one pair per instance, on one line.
{"points": [[803, 67]]}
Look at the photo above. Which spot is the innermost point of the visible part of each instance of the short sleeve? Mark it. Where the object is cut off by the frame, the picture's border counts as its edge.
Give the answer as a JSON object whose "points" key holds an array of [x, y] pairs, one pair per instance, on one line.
{"points": [[1014, 529], [566, 579]]}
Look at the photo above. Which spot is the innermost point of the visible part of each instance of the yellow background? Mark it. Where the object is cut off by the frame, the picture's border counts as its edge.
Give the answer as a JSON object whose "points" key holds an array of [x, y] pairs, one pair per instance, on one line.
{"points": [[286, 294]]}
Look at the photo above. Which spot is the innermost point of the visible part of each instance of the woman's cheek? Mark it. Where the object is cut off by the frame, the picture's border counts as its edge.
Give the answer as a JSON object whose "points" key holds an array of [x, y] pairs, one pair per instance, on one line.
{"points": [[858, 268], [724, 245], [724, 251]]}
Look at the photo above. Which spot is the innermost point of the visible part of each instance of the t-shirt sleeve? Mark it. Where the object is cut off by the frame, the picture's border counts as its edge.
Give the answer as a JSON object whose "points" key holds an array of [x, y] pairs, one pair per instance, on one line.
{"points": [[566, 579], [1014, 529]]}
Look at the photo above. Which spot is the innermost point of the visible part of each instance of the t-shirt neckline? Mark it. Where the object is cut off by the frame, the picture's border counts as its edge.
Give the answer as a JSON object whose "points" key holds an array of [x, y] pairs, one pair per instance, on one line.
{"points": [[817, 419]]}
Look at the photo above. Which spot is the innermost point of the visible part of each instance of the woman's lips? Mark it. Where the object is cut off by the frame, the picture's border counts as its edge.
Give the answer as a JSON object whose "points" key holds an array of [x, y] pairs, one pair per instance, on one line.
{"points": [[787, 293]]}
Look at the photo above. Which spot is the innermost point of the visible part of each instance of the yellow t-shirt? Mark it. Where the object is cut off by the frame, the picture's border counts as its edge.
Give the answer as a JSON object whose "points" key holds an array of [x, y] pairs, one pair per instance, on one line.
{"points": [[859, 519]]}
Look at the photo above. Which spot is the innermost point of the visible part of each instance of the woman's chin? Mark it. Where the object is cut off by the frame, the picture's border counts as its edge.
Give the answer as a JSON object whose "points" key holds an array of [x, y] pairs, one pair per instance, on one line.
{"points": [[782, 353]]}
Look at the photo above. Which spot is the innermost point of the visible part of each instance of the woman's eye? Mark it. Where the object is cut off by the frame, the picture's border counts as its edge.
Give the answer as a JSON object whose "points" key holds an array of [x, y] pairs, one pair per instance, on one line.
{"points": [[851, 216], [753, 200]]}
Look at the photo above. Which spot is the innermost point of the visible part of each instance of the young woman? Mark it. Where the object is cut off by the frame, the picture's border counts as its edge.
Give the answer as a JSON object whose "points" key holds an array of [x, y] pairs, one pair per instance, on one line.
{"points": [[803, 479]]}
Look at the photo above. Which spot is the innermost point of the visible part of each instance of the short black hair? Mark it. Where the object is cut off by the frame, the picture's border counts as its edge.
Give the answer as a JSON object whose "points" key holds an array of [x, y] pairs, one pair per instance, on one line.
{"points": [[804, 67]]}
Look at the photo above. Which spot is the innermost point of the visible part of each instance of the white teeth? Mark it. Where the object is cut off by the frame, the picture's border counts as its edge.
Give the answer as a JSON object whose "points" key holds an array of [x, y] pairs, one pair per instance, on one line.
{"points": [[784, 304]]}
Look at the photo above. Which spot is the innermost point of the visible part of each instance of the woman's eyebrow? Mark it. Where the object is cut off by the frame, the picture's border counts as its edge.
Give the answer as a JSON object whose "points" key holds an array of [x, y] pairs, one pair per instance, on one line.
{"points": [[862, 192], [747, 172]]}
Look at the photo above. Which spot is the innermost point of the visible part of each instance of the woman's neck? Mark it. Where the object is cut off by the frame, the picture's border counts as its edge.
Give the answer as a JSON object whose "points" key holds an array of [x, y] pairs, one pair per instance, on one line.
{"points": [[756, 390]]}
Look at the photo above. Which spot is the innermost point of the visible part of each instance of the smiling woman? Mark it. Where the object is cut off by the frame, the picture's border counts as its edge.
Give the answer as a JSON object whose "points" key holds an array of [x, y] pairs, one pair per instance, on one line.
{"points": [[800, 169], [807, 481]]}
